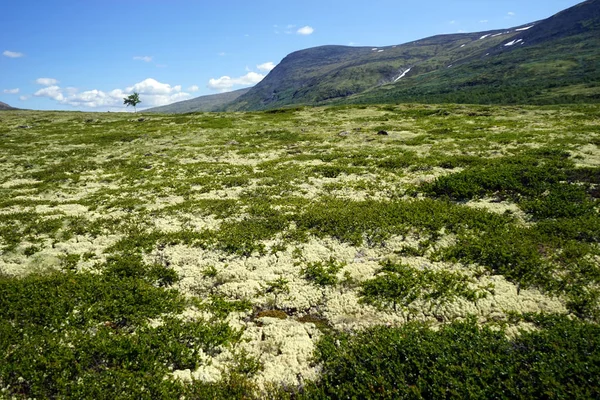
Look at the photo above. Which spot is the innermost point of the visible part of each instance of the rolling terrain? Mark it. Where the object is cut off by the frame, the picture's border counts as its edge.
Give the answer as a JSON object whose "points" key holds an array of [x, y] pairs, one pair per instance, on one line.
{"points": [[556, 60], [301, 253]]}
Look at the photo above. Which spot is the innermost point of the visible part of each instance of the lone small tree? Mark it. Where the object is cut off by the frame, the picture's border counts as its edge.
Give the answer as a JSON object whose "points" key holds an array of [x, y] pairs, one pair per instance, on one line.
{"points": [[132, 100]]}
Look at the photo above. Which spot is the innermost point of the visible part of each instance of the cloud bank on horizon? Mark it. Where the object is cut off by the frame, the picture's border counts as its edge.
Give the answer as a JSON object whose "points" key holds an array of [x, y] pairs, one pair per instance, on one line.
{"points": [[152, 93]]}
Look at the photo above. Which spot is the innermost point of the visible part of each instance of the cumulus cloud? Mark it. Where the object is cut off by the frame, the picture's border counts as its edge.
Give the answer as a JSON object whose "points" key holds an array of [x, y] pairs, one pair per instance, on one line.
{"points": [[23, 98], [12, 54], [305, 30], [152, 86], [53, 92], [266, 66], [511, 13], [193, 88], [143, 58], [46, 81], [152, 93], [226, 83], [11, 91]]}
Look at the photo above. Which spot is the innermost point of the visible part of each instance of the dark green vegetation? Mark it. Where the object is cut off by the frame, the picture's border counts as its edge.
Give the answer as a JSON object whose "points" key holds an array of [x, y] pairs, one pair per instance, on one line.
{"points": [[462, 360], [87, 335], [132, 251], [400, 285]]}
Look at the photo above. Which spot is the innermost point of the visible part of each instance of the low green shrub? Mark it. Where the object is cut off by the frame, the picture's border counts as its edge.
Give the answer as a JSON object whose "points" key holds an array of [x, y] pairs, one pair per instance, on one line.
{"points": [[400, 285], [322, 273], [461, 360]]}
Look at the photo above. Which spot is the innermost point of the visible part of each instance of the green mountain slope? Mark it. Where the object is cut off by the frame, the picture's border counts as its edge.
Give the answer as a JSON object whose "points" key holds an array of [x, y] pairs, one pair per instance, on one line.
{"points": [[553, 60], [202, 103]]}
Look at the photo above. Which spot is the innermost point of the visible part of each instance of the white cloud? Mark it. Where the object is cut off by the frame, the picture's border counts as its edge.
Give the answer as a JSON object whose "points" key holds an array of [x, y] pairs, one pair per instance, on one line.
{"points": [[12, 54], [222, 54], [23, 98], [143, 58], [53, 92], [512, 14], [226, 83], [152, 86], [11, 91], [483, 21], [152, 93], [46, 81], [265, 66], [305, 30], [193, 88], [452, 22]]}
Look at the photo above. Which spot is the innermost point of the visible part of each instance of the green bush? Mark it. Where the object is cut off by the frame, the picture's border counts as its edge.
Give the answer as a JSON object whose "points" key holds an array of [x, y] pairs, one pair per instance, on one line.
{"points": [[322, 274], [461, 360], [400, 285]]}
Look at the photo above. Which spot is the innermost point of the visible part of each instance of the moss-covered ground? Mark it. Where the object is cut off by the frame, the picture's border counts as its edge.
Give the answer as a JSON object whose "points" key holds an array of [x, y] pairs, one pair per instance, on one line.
{"points": [[300, 254]]}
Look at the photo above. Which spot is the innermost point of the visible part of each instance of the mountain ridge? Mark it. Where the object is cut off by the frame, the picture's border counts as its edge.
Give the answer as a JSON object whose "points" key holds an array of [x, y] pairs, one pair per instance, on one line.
{"points": [[4, 106], [552, 60], [210, 102], [349, 73]]}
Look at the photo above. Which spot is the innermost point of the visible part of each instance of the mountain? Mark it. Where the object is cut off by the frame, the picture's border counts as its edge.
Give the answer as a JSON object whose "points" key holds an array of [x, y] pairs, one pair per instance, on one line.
{"points": [[202, 103], [4, 106], [548, 61]]}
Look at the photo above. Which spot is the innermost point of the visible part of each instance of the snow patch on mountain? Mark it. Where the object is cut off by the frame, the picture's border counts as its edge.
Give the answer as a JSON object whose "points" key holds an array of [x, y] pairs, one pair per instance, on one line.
{"points": [[402, 75], [513, 42]]}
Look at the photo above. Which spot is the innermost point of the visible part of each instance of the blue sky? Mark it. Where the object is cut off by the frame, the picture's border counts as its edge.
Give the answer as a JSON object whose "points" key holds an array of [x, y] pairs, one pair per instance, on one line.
{"points": [[89, 54]]}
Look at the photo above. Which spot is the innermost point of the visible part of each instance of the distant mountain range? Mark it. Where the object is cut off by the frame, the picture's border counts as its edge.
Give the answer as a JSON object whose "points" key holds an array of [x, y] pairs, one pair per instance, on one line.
{"points": [[212, 102], [4, 106], [556, 60]]}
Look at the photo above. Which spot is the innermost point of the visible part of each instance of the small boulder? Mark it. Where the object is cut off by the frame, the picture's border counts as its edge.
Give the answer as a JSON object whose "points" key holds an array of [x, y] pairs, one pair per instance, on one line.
{"points": [[24, 126], [141, 119], [233, 143], [343, 133], [383, 133]]}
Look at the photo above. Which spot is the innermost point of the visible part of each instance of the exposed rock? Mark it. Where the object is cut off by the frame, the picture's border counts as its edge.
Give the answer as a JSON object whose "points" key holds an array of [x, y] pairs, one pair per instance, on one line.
{"points": [[383, 133]]}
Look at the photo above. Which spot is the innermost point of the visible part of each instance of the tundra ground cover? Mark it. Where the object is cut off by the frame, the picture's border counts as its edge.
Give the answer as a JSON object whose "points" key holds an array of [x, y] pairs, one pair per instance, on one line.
{"points": [[256, 254]]}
